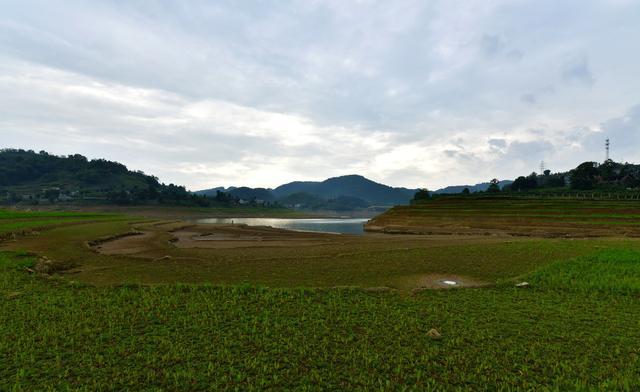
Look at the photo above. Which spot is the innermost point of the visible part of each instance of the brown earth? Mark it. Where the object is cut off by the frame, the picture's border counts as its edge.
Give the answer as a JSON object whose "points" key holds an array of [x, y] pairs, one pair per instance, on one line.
{"points": [[437, 281]]}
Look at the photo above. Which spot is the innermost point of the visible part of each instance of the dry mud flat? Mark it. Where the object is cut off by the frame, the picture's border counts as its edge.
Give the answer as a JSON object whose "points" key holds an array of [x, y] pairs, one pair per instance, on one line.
{"points": [[175, 242], [242, 236], [125, 244], [187, 236]]}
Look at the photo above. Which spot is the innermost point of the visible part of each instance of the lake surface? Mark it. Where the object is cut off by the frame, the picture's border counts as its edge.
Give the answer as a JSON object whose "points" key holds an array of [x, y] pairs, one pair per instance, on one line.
{"points": [[330, 225]]}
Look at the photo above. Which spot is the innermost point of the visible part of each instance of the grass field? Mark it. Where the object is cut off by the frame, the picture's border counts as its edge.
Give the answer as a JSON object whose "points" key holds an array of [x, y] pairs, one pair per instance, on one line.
{"points": [[23, 221], [269, 317]]}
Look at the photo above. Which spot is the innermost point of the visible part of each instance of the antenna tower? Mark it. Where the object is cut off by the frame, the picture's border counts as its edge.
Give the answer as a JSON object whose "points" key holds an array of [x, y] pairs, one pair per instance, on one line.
{"points": [[542, 167], [606, 145]]}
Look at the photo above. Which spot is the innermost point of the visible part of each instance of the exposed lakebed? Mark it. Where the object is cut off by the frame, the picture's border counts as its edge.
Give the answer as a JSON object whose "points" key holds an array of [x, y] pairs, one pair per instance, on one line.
{"points": [[321, 225]]}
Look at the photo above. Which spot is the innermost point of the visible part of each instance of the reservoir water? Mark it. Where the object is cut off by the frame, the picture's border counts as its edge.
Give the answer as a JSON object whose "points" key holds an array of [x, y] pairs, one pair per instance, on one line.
{"points": [[323, 225]]}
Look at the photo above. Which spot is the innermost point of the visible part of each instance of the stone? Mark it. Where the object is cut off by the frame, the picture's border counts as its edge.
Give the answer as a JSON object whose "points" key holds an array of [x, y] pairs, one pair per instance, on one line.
{"points": [[434, 334]]}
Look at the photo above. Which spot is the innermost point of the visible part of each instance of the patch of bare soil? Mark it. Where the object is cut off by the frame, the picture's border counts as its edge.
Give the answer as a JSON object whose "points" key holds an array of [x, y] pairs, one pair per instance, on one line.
{"points": [[447, 281], [127, 244], [243, 236]]}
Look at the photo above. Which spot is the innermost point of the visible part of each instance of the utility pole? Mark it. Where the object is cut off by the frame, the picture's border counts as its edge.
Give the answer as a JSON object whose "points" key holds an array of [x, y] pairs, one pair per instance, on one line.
{"points": [[606, 145]]}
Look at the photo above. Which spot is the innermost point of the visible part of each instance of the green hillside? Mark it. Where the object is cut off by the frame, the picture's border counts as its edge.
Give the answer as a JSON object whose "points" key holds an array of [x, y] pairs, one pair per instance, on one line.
{"points": [[30, 177]]}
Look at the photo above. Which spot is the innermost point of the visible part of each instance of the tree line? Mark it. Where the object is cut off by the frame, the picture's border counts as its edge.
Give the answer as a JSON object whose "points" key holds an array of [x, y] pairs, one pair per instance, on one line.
{"points": [[609, 177]]}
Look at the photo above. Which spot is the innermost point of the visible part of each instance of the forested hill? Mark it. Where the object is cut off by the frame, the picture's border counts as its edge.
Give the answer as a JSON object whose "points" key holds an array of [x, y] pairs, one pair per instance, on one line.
{"points": [[29, 175], [350, 186], [24, 168], [343, 188]]}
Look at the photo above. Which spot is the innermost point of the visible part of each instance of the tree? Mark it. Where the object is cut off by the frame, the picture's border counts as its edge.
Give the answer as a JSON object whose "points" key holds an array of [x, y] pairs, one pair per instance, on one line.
{"points": [[466, 191], [52, 194], [584, 176], [523, 183], [494, 186], [422, 194]]}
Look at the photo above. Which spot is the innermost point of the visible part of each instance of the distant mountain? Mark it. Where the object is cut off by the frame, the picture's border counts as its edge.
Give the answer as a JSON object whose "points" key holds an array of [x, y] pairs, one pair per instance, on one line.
{"points": [[473, 188], [252, 193], [351, 189], [352, 186], [213, 191], [306, 201]]}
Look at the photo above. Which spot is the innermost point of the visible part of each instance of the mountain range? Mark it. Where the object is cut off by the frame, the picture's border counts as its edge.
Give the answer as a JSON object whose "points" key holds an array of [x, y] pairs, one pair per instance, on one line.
{"points": [[353, 186], [27, 175]]}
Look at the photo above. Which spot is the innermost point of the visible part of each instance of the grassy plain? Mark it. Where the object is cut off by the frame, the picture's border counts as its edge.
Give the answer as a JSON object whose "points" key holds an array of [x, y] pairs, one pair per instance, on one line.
{"points": [[269, 315]]}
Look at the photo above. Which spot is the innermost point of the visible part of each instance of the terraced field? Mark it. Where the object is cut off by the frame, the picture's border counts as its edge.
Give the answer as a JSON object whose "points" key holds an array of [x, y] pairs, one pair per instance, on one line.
{"points": [[514, 216]]}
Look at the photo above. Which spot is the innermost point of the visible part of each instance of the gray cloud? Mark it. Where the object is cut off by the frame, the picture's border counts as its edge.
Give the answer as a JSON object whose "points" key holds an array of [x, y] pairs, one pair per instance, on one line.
{"points": [[222, 93], [578, 70], [492, 44], [498, 143], [529, 98], [623, 132]]}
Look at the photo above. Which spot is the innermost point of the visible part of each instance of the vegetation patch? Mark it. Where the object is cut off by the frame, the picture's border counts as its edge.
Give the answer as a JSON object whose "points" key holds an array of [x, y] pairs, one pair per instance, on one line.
{"points": [[616, 271], [59, 336]]}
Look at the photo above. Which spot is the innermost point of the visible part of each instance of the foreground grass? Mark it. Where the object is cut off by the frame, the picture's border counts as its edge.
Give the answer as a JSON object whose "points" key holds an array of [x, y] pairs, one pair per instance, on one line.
{"points": [[55, 335]]}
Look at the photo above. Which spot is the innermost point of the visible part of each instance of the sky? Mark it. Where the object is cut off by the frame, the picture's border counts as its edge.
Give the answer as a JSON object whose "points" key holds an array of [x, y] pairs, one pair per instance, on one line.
{"points": [[259, 93]]}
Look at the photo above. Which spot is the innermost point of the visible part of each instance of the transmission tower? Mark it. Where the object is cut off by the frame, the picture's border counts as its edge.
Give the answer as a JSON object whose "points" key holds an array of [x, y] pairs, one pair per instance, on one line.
{"points": [[542, 167], [606, 146]]}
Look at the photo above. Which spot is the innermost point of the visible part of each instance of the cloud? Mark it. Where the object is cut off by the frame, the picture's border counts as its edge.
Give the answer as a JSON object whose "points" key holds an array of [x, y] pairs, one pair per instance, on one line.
{"points": [[578, 70], [498, 143], [529, 98], [623, 133], [408, 92], [492, 44]]}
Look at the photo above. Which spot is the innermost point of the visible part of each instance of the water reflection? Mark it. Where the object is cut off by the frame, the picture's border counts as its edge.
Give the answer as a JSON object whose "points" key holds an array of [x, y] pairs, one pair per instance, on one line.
{"points": [[330, 225]]}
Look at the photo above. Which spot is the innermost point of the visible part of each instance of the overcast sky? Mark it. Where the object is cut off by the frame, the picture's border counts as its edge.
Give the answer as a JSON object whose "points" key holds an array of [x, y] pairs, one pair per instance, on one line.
{"points": [[408, 93]]}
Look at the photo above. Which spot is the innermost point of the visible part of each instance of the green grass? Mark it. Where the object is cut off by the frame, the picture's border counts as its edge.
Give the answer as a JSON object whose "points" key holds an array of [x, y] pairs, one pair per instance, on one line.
{"points": [[21, 221], [576, 328], [55, 335], [613, 271], [8, 214]]}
